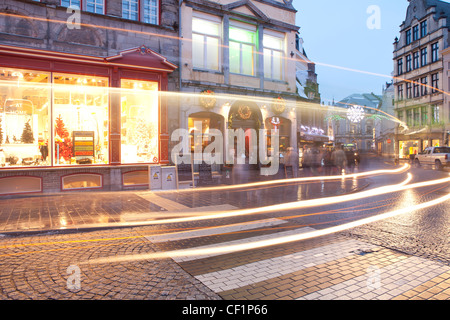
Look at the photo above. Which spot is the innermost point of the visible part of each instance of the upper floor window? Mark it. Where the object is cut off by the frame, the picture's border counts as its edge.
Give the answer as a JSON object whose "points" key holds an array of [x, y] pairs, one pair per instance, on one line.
{"points": [[205, 43], [408, 36], [399, 66], [435, 52], [416, 90], [151, 11], [415, 33], [130, 9], [424, 56], [71, 3], [435, 82], [424, 86], [408, 63], [273, 56], [242, 48], [423, 28], [94, 6], [416, 60], [400, 92], [141, 10]]}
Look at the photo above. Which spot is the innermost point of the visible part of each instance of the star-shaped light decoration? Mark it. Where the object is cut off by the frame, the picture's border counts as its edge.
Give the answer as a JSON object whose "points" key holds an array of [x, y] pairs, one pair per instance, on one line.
{"points": [[355, 114]]}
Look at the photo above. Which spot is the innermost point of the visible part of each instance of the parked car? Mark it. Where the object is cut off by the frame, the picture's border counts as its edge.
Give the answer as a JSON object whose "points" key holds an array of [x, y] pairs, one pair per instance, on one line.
{"points": [[352, 154], [437, 156]]}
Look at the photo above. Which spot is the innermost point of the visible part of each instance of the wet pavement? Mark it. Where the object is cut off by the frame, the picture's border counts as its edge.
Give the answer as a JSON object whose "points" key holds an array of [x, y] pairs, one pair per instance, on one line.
{"points": [[116, 243]]}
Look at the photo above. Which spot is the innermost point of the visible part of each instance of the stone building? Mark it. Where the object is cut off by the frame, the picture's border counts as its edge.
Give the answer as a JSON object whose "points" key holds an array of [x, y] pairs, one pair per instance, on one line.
{"points": [[419, 77], [79, 92], [358, 126], [238, 60]]}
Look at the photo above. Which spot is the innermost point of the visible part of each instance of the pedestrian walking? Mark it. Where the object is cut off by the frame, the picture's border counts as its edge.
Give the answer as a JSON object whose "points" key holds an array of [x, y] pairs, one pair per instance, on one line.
{"points": [[339, 159]]}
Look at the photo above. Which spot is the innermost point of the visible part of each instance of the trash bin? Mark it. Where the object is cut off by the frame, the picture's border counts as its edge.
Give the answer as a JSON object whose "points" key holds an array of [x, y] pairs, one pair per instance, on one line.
{"points": [[169, 179], [154, 178]]}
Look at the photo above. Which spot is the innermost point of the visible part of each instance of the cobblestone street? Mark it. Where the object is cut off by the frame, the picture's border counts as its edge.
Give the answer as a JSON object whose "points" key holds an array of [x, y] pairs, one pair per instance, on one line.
{"points": [[90, 237]]}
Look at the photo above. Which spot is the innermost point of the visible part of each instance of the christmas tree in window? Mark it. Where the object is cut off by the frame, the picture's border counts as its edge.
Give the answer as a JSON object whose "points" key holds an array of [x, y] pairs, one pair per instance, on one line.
{"points": [[27, 133], [63, 142]]}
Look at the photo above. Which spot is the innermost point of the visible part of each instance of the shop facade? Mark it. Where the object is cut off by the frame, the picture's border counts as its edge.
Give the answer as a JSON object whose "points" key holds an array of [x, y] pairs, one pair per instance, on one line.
{"points": [[74, 122]]}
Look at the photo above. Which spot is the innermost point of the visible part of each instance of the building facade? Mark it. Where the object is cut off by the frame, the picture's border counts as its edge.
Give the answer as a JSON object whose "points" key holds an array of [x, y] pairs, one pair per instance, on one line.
{"points": [[80, 84], [385, 128], [358, 125], [311, 125], [419, 77], [238, 68]]}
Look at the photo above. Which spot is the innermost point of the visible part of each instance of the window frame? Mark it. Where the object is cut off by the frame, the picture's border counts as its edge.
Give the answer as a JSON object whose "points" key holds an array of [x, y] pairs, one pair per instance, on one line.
{"points": [[435, 52], [400, 66], [423, 28], [249, 28], [423, 56], [282, 52], [408, 63], [205, 36], [408, 90], [424, 86], [416, 60], [435, 82], [141, 11], [408, 36], [400, 92], [416, 90], [415, 33]]}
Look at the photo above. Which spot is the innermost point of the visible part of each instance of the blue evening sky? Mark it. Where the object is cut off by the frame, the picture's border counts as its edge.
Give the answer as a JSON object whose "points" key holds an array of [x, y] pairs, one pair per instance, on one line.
{"points": [[336, 33]]}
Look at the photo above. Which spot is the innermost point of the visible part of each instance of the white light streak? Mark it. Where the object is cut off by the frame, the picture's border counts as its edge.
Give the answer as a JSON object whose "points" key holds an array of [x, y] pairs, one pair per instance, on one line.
{"points": [[269, 242]]}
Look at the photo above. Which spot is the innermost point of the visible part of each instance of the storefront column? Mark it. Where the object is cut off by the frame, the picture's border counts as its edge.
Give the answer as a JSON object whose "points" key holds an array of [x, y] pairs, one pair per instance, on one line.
{"points": [[114, 115], [164, 130]]}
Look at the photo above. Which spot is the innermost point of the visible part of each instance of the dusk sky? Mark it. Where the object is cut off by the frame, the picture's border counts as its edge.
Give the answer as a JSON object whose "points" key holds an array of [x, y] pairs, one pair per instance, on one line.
{"points": [[336, 33]]}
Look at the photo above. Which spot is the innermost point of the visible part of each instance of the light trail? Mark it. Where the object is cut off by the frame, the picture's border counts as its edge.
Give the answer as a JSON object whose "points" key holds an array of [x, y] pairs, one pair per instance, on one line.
{"points": [[290, 205], [270, 242], [293, 180], [341, 210]]}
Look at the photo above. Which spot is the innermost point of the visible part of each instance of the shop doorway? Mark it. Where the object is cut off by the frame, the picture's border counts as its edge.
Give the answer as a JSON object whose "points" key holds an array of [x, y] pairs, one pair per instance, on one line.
{"points": [[246, 116]]}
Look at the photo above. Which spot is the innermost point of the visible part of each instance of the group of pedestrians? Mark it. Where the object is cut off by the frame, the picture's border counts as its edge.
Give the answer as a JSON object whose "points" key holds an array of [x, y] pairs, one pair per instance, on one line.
{"points": [[328, 161]]}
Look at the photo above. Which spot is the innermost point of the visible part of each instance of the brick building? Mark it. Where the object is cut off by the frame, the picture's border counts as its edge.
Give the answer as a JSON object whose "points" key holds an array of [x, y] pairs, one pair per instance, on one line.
{"points": [[79, 92]]}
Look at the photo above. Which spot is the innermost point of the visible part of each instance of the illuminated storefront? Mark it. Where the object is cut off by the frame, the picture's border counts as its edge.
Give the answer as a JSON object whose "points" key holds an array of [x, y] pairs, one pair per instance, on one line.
{"points": [[67, 111]]}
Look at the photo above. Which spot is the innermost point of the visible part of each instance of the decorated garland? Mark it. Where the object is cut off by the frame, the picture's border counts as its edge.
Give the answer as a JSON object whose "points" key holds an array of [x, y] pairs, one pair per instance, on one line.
{"points": [[244, 112], [278, 106], [207, 99]]}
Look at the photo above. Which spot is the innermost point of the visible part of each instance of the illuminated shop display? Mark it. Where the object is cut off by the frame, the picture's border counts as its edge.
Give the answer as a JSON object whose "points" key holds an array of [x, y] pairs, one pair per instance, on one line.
{"points": [[139, 120], [24, 117], [55, 119], [80, 117]]}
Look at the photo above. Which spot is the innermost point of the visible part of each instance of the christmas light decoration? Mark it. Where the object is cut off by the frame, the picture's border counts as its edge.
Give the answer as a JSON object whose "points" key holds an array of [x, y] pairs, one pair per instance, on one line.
{"points": [[355, 114]]}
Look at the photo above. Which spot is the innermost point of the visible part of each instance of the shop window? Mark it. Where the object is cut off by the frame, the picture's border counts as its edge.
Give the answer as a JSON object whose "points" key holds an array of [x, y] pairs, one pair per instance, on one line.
{"points": [[135, 178], [203, 122], [80, 120], [283, 127], [82, 181], [20, 184], [24, 118], [140, 130]]}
